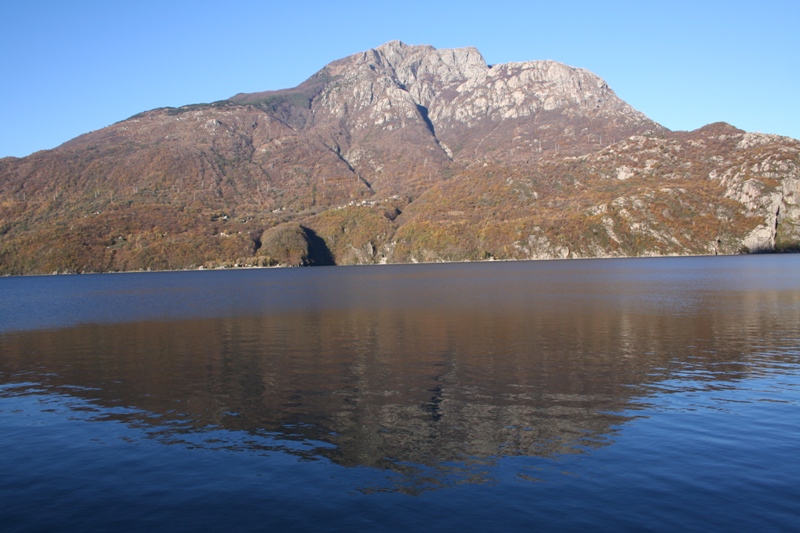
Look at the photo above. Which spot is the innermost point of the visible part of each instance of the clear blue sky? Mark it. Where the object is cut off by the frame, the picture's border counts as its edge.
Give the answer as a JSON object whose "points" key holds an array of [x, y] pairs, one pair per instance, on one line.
{"points": [[69, 67]]}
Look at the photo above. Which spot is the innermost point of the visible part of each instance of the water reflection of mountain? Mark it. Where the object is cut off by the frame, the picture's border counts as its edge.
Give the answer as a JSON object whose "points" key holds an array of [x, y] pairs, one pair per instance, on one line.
{"points": [[390, 386]]}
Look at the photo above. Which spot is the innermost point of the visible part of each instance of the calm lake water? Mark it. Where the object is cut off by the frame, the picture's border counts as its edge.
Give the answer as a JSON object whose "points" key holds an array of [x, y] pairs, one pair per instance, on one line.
{"points": [[633, 394]]}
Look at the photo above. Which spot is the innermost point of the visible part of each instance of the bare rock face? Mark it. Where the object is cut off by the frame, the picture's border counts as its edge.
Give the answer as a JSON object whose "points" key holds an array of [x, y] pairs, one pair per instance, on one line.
{"points": [[536, 105], [769, 188], [457, 87], [386, 110], [398, 154]]}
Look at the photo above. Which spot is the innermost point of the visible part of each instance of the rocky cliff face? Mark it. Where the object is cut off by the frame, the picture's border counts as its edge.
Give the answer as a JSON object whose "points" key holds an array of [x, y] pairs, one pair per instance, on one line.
{"points": [[389, 109], [519, 106], [400, 153]]}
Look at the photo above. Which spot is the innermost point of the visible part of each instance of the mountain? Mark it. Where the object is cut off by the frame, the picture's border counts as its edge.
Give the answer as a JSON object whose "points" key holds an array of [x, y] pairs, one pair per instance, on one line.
{"points": [[398, 154]]}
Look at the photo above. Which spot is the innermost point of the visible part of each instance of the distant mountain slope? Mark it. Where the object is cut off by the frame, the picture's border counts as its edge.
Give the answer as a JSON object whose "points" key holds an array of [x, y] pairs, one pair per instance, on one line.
{"points": [[401, 153]]}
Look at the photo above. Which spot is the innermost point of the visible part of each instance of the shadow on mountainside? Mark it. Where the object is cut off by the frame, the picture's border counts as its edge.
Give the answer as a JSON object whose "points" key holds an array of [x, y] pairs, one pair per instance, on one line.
{"points": [[318, 252]]}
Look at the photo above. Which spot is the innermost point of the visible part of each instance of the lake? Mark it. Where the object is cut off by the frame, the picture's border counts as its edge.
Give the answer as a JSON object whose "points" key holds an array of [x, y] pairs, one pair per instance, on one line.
{"points": [[613, 394]]}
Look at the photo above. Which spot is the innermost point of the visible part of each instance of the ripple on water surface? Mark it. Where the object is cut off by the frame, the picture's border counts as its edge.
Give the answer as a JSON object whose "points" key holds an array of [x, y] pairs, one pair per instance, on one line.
{"points": [[600, 394]]}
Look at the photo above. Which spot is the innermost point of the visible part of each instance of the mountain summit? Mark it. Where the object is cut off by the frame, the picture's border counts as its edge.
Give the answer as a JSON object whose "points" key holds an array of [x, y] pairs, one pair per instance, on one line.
{"points": [[450, 103], [398, 154]]}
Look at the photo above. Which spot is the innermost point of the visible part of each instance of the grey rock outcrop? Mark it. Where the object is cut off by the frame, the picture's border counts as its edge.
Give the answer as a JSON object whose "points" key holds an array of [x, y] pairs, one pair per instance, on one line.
{"points": [[769, 189]]}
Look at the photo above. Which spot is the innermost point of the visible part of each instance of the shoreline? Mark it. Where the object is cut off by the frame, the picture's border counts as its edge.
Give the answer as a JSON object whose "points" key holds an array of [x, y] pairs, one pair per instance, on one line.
{"points": [[249, 267]]}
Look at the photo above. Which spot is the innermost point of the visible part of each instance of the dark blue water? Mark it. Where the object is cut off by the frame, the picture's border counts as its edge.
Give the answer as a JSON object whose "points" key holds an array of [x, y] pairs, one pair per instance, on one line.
{"points": [[644, 394]]}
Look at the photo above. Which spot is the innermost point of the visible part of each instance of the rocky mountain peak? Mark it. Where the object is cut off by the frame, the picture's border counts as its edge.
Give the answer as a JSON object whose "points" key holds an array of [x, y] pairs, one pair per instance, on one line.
{"points": [[412, 64], [419, 70], [426, 72], [408, 64], [470, 108]]}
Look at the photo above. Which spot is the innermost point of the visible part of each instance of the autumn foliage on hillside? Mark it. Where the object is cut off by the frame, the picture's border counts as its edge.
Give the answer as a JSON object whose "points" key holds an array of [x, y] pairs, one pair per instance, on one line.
{"points": [[658, 195], [399, 154]]}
